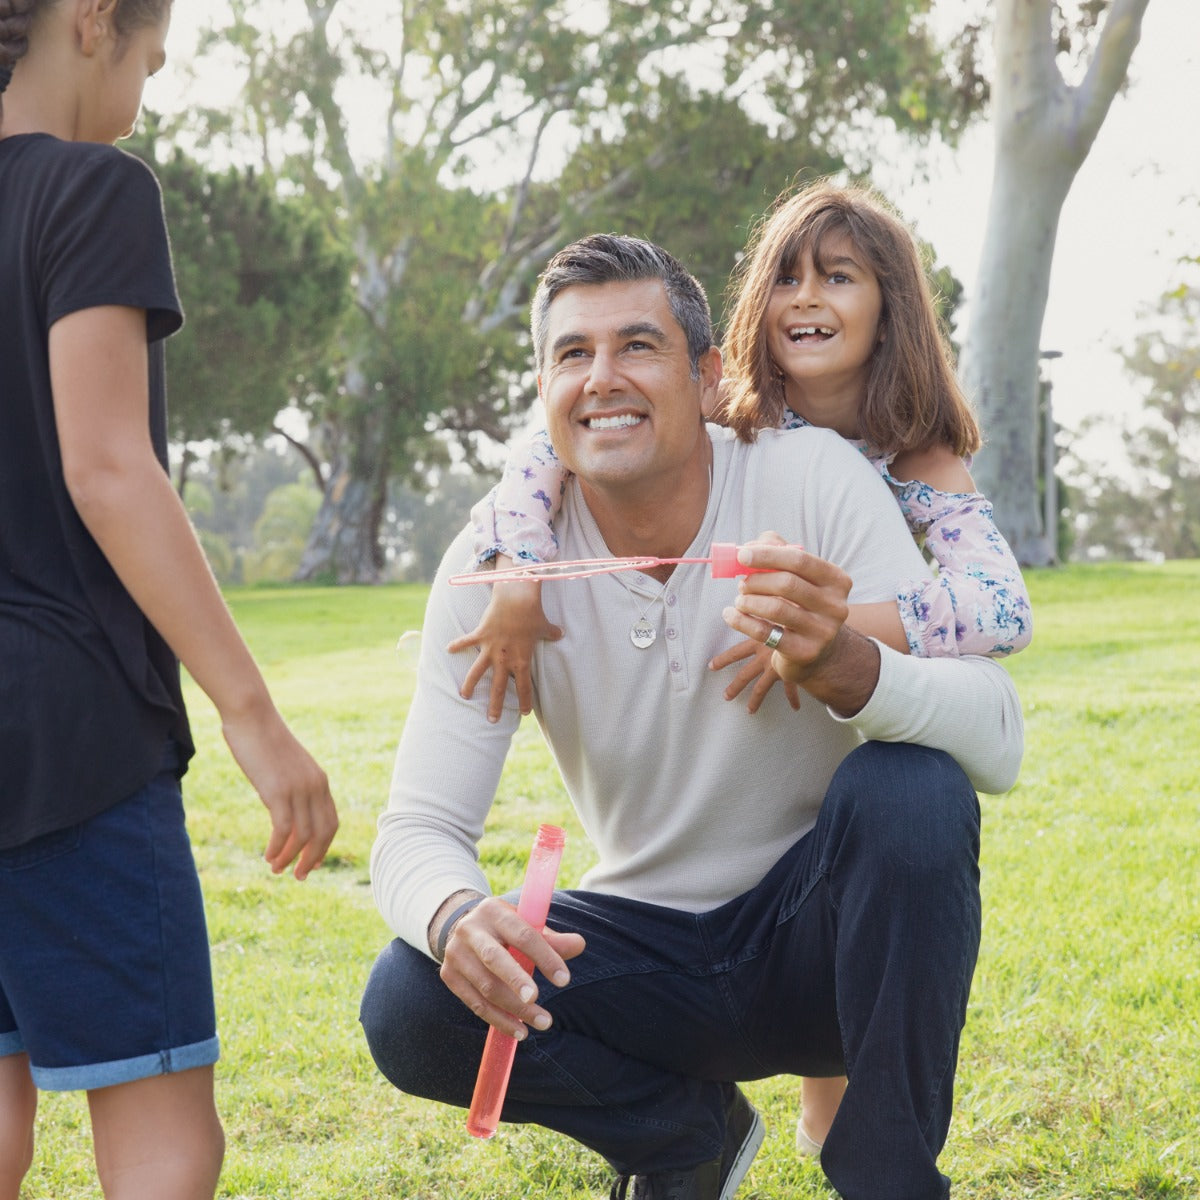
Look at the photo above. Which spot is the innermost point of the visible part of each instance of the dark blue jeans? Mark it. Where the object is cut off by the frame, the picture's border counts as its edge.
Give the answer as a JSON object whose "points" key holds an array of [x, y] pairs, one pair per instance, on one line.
{"points": [[854, 953]]}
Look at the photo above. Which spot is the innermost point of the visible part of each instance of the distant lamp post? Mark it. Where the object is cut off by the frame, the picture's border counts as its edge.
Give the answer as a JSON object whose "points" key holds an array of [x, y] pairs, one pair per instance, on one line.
{"points": [[1049, 459]]}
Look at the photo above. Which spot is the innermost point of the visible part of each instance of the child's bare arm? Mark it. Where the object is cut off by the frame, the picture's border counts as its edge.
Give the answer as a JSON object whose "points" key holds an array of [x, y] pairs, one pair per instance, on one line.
{"points": [[99, 373], [507, 635], [881, 621]]}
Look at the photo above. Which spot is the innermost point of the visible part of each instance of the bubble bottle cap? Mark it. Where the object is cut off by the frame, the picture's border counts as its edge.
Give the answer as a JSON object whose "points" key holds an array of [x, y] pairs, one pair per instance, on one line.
{"points": [[550, 837], [725, 563]]}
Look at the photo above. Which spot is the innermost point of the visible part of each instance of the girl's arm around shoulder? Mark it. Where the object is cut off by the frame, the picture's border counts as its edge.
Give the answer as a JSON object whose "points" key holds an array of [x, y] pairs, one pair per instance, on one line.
{"points": [[978, 602], [514, 522], [516, 517], [99, 375]]}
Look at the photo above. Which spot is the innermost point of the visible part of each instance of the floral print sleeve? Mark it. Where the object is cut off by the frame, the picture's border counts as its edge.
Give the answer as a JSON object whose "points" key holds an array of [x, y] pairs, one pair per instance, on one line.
{"points": [[516, 517], [977, 603]]}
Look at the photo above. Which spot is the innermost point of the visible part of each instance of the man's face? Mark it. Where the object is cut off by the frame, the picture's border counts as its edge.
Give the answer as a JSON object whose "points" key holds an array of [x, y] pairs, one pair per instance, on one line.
{"points": [[622, 407]]}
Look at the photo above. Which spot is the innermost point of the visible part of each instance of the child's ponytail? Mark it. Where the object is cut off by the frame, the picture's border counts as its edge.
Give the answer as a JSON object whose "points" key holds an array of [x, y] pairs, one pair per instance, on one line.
{"points": [[16, 16]]}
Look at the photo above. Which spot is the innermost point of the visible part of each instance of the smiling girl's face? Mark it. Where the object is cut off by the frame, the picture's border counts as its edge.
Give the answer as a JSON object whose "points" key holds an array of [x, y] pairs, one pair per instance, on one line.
{"points": [[822, 326]]}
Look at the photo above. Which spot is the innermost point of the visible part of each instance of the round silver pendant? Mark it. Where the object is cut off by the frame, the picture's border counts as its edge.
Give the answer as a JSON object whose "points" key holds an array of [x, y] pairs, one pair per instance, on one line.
{"points": [[642, 634]]}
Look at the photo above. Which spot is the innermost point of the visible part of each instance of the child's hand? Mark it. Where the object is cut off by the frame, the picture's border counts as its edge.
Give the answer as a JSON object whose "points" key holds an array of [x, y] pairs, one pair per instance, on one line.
{"points": [[512, 625], [290, 784], [757, 669]]}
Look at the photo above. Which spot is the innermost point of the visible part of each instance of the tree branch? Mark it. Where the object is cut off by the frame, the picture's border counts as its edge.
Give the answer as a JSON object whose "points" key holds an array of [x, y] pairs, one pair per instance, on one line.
{"points": [[473, 310], [320, 95], [314, 463], [544, 242], [1110, 63]]}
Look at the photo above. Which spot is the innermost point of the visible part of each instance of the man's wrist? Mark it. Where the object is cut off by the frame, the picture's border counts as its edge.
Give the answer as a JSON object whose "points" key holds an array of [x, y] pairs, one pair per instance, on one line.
{"points": [[453, 909], [847, 677]]}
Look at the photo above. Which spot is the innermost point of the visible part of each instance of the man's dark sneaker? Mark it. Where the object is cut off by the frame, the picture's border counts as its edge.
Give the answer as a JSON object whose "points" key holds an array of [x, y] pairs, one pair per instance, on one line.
{"points": [[715, 1180]]}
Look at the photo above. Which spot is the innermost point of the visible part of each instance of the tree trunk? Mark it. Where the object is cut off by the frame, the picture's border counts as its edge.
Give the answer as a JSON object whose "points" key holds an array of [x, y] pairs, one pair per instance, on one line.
{"points": [[1000, 359], [186, 458], [344, 545], [1044, 130]]}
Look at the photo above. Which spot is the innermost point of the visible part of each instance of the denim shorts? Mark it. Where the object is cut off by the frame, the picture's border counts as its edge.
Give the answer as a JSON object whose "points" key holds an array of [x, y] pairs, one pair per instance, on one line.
{"points": [[105, 975]]}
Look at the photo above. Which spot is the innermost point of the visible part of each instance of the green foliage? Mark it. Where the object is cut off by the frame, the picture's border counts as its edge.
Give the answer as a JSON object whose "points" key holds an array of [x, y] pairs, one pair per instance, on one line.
{"points": [[1153, 509], [1079, 1076], [252, 509], [424, 521], [280, 533], [828, 58], [424, 366], [506, 129], [714, 140], [264, 290]]}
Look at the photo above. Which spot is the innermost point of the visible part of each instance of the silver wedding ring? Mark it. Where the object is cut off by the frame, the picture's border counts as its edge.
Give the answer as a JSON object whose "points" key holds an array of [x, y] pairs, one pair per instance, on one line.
{"points": [[774, 637]]}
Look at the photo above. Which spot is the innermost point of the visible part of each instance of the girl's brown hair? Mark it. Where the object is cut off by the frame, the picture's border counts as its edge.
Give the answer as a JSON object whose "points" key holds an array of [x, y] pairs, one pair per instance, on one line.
{"points": [[913, 400]]}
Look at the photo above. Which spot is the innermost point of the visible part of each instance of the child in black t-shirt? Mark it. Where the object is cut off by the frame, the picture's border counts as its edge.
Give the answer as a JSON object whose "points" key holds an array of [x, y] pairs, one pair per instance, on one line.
{"points": [[104, 970]]}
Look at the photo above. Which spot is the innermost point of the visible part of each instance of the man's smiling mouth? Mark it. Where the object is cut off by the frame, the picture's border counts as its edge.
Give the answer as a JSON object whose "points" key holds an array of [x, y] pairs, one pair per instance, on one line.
{"points": [[623, 421]]}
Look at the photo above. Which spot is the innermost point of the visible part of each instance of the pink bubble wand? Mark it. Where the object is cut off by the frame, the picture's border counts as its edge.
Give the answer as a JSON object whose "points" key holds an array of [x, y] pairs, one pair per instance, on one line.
{"points": [[495, 1067], [723, 557]]}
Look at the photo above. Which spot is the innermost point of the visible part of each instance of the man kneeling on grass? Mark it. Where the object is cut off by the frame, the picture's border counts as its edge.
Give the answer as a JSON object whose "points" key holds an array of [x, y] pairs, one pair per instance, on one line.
{"points": [[789, 892]]}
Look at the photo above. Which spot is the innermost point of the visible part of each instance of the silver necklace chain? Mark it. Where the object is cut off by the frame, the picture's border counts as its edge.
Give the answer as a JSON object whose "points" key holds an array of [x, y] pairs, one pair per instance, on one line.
{"points": [[643, 633]]}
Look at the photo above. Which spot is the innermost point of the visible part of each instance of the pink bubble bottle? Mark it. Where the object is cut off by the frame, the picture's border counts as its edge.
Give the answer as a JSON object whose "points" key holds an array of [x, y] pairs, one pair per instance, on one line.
{"points": [[491, 1084]]}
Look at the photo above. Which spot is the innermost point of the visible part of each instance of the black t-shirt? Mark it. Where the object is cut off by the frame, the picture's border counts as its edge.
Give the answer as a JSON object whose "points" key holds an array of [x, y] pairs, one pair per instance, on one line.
{"points": [[89, 692]]}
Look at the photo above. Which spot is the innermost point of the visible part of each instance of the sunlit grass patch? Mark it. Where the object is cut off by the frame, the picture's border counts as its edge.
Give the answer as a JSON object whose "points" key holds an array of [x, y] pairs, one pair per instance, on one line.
{"points": [[1079, 1074]]}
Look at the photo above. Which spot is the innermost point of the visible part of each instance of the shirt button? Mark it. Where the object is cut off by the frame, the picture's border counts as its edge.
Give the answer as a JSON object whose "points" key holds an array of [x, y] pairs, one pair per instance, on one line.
{"points": [[672, 632], [674, 664], [671, 600]]}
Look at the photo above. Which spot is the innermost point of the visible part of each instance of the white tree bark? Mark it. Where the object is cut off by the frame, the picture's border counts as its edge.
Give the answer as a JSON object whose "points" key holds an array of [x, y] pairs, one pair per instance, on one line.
{"points": [[1043, 132]]}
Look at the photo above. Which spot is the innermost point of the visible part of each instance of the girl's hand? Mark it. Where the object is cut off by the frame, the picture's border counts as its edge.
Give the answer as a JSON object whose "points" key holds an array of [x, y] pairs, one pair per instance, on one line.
{"points": [[292, 787], [512, 625], [757, 670]]}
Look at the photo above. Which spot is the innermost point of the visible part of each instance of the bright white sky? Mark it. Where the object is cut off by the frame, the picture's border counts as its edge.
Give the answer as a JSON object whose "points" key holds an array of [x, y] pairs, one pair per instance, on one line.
{"points": [[1133, 211]]}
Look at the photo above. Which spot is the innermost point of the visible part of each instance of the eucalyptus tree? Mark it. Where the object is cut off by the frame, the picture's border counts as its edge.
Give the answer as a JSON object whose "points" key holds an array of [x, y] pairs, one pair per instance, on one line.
{"points": [[263, 288], [457, 144], [1044, 128], [1152, 507]]}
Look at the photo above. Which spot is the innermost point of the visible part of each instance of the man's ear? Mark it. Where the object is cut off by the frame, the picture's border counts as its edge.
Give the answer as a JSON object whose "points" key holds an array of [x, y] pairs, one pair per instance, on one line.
{"points": [[711, 369]]}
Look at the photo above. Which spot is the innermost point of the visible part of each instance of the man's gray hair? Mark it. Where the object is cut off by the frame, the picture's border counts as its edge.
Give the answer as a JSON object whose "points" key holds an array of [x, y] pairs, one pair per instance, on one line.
{"points": [[615, 258]]}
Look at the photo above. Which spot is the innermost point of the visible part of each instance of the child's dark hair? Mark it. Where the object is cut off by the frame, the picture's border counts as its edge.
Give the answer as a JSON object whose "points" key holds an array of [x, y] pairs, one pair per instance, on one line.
{"points": [[17, 18], [913, 399]]}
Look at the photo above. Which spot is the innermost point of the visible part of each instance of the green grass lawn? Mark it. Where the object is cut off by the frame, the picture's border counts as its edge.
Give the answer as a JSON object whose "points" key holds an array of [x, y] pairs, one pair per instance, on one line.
{"points": [[1080, 1067]]}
